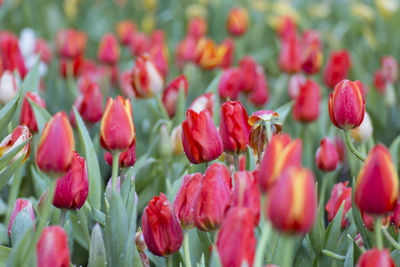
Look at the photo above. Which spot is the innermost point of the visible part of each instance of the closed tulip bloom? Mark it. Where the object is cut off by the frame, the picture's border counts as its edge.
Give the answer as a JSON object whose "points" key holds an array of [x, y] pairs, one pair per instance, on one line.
{"points": [[8, 87], [327, 157], [197, 27], [248, 68], [19, 135], [200, 138], [375, 257], [234, 127], [311, 56], [19, 205], [377, 187], [289, 55], [295, 83], [340, 193], [347, 105], [260, 94], [286, 27], [56, 145], [52, 249], [306, 105], [161, 230], [27, 116], [145, 78], [10, 54], [184, 199], [379, 82], [337, 67], [389, 68], [236, 241], [212, 198], [117, 131], [363, 133], [280, 153], [171, 93], [72, 189], [204, 102], [185, 51], [126, 159], [237, 21], [108, 52], [71, 43], [159, 56], [42, 49], [292, 201], [230, 84], [125, 31]]}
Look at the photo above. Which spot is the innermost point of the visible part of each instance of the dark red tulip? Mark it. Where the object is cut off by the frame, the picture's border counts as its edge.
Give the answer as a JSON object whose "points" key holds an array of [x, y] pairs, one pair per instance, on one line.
{"points": [[27, 116], [337, 67], [340, 193]]}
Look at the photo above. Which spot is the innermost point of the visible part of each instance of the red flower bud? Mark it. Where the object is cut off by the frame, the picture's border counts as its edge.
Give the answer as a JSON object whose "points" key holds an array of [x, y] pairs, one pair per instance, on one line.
{"points": [[171, 93], [197, 27], [43, 50], [10, 54], [159, 56], [212, 198], [375, 257], [71, 43], [56, 145], [327, 157], [337, 67], [292, 201], [19, 205], [71, 66], [237, 21], [306, 105], [296, 81], [236, 242], [72, 189], [280, 153], [230, 84], [125, 31], [52, 249], [161, 230], [200, 138], [184, 200], [108, 52], [286, 27], [229, 54], [27, 116], [117, 131], [259, 95], [311, 56], [340, 193], [377, 187], [347, 105], [248, 68], [204, 102], [140, 44], [126, 159], [145, 78], [389, 68], [380, 82], [289, 56], [185, 51], [17, 137], [234, 127]]}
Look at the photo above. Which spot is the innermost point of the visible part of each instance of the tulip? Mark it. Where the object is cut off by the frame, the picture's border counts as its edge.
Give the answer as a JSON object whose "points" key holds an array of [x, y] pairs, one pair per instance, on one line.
{"points": [[176, 140], [236, 242], [234, 127], [237, 21], [108, 52], [212, 198], [10, 54], [311, 56], [259, 95], [292, 201], [340, 193], [200, 138], [52, 249], [43, 50], [159, 56], [395, 218], [377, 186], [125, 84], [347, 105], [140, 44], [197, 27], [208, 54], [248, 68], [171, 93], [126, 159], [19, 135], [184, 200], [71, 43], [185, 51], [295, 83], [72, 189], [70, 67], [287, 27], [389, 68], [8, 87], [337, 67], [375, 257], [125, 31], [56, 145], [228, 46], [280, 153], [246, 194], [369, 222], [117, 131], [21, 204], [161, 230], [306, 105], [327, 157], [204, 102], [145, 78], [289, 55], [27, 116], [379, 82], [230, 84], [363, 133]]}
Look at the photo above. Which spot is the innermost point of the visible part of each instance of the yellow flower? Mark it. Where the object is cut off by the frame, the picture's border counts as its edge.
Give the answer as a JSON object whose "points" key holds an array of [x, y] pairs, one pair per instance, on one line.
{"points": [[362, 11], [387, 8]]}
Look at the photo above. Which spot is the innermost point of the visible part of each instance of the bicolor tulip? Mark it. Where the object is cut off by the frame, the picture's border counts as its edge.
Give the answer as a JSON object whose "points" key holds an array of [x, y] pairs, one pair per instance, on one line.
{"points": [[171, 93], [327, 157], [363, 132], [27, 116], [375, 257], [108, 52], [340, 194], [306, 105], [10, 54], [204, 102], [19, 205], [337, 68], [311, 56], [19, 135], [52, 249], [145, 78], [8, 86], [237, 21]]}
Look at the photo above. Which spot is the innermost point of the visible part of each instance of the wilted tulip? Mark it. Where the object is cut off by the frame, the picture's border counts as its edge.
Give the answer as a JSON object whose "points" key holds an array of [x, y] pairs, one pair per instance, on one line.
{"points": [[126, 158], [327, 157], [375, 257], [52, 249], [27, 116], [340, 193], [306, 105], [108, 52], [237, 21], [377, 186], [145, 78], [204, 102], [336, 68], [10, 54], [19, 205], [125, 31], [363, 133], [8, 87], [197, 27], [17, 137], [161, 230], [171, 93]]}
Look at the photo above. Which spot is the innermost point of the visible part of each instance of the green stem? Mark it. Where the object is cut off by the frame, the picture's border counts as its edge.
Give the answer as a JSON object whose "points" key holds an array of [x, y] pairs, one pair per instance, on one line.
{"points": [[323, 194], [288, 259], [391, 240], [186, 249], [63, 214], [333, 255], [14, 192], [378, 232], [351, 147], [236, 162], [168, 261], [259, 261], [115, 163]]}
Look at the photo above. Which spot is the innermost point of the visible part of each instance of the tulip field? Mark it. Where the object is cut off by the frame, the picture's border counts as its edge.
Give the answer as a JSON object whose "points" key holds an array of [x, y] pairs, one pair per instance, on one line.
{"points": [[198, 133]]}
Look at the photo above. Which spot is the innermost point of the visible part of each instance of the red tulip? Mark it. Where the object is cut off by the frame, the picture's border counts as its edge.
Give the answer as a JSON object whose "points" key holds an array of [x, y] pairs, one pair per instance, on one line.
{"points": [[389, 68], [289, 56], [248, 68], [125, 31], [340, 193], [237, 21], [230, 84], [10, 54], [161, 230], [375, 257], [71, 43], [19, 135], [236, 242], [19, 205], [171, 93], [327, 157], [159, 56], [140, 44], [70, 67], [108, 52], [185, 51], [306, 105], [145, 78], [228, 46], [197, 27], [395, 218], [337, 67], [259, 95], [27, 116], [52, 249], [286, 28], [295, 83], [126, 159], [212, 198], [311, 56], [204, 102], [43, 50], [380, 81]]}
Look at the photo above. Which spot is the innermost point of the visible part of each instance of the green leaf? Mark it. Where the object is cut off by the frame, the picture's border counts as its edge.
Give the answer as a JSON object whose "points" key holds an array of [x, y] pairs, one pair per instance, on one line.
{"points": [[8, 111], [5, 159], [333, 230], [394, 151], [215, 260], [6, 174], [19, 252], [4, 254], [42, 115], [180, 107], [40, 184], [97, 251], [32, 79], [161, 107], [95, 189], [396, 257], [80, 228], [213, 85], [250, 161], [98, 216], [317, 237], [349, 260]]}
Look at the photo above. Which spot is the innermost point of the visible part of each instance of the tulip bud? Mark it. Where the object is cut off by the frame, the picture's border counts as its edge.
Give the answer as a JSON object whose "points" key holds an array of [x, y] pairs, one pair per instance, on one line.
{"points": [[295, 83], [292, 201], [184, 200], [280, 153], [236, 242], [8, 87], [19, 205], [311, 56], [347, 105], [125, 31], [212, 198], [17, 137], [259, 95], [52, 249], [145, 78], [108, 52], [375, 257], [171, 93], [43, 50], [161, 230], [72, 189], [230, 84], [117, 131], [248, 68], [10, 54], [289, 55], [363, 133], [197, 27], [126, 158], [340, 193], [327, 157], [377, 186], [71, 43], [228, 48], [336, 68], [185, 51], [306, 105], [204, 102], [237, 21], [140, 44], [27, 116], [286, 27], [234, 127], [200, 138], [56, 145]]}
